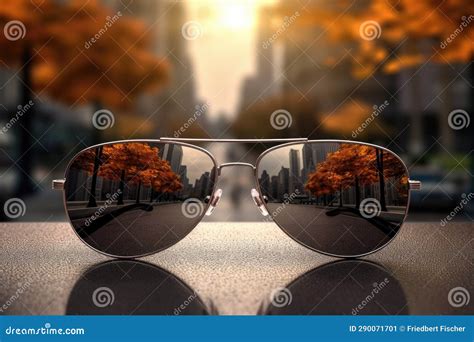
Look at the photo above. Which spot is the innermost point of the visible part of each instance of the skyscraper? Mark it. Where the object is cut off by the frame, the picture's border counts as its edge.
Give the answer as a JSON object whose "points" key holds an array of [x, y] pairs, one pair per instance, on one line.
{"points": [[309, 161], [274, 187], [295, 166], [202, 186], [265, 183], [183, 170], [173, 153], [283, 182]]}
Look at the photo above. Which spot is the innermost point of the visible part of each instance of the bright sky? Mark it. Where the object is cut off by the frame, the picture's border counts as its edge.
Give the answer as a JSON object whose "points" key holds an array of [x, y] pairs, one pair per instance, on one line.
{"points": [[224, 52]]}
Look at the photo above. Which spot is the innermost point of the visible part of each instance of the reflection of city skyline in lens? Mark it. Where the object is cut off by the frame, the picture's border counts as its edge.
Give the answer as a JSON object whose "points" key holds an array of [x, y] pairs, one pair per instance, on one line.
{"points": [[291, 167], [293, 170], [342, 199], [186, 165], [124, 199]]}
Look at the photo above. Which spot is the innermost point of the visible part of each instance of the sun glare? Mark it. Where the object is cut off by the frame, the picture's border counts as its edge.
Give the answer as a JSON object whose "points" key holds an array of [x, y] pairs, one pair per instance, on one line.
{"points": [[229, 14], [235, 15]]}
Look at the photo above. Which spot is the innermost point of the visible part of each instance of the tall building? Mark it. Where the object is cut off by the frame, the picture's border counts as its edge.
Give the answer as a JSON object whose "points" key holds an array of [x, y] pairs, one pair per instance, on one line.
{"points": [[283, 182], [295, 166], [173, 153], [264, 181], [263, 83], [273, 187], [182, 172], [202, 186], [309, 161]]}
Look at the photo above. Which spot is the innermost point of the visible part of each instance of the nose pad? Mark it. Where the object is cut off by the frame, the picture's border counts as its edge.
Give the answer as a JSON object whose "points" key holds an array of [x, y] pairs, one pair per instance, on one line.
{"points": [[257, 199], [213, 201]]}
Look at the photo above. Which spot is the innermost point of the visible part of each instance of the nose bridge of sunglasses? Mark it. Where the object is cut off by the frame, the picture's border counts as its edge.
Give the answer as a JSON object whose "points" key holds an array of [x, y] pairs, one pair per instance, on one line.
{"points": [[213, 200], [224, 165]]}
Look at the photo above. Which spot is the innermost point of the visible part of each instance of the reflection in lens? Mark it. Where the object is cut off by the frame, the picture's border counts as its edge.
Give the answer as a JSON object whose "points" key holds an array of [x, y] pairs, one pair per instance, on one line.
{"points": [[128, 199], [343, 199], [349, 287], [132, 288]]}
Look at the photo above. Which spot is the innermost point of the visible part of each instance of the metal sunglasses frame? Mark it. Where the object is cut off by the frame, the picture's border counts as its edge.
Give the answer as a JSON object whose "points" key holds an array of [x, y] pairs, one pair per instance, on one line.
{"points": [[258, 197]]}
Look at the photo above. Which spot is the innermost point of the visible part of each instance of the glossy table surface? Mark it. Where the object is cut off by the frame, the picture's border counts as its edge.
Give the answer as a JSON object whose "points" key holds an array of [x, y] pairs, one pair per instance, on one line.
{"points": [[236, 268]]}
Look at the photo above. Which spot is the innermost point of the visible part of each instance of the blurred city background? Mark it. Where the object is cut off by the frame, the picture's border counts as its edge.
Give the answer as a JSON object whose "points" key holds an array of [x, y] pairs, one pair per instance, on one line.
{"points": [[395, 73]]}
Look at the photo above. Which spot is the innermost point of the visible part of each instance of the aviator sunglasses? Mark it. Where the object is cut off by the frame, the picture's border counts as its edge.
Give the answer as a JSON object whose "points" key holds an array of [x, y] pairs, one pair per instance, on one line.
{"points": [[132, 198]]}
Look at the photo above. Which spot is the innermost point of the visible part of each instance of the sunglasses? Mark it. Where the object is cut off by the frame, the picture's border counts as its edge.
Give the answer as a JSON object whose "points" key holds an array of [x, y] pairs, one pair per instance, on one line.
{"points": [[132, 198]]}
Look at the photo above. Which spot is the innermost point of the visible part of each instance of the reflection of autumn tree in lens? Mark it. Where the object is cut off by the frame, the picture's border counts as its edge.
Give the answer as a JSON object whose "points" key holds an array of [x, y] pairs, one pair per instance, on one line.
{"points": [[354, 165], [52, 60], [323, 181], [90, 161], [138, 164], [392, 167], [84, 161]]}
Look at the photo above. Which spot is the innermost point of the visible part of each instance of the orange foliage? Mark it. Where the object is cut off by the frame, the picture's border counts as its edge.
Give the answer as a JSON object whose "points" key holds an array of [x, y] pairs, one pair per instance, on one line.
{"points": [[352, 165], [85, 161], [411, 32], [67, 66], [139, 163]]}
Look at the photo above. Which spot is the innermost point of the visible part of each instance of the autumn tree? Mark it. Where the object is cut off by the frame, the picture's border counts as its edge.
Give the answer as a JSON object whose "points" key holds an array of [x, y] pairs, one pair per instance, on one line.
{"points": [[54, 57], [324, 181], [393, 35], [138, 164], [354, 165]]}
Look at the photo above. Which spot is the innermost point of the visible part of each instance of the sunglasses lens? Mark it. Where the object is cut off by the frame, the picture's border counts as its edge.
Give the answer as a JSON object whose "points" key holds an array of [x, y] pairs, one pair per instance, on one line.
{"points": [[343, 199], [135, 198]]}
